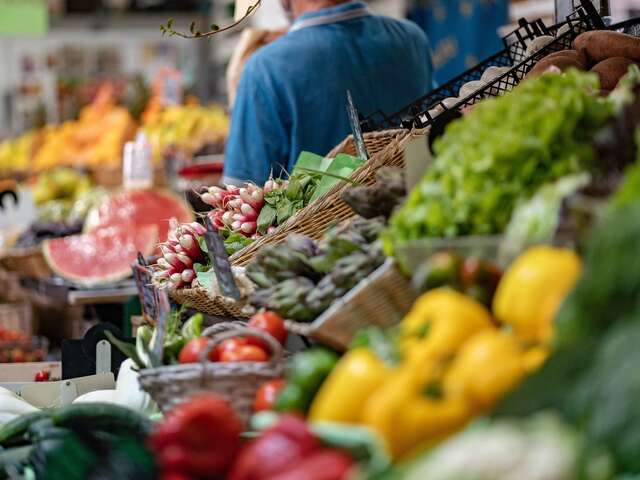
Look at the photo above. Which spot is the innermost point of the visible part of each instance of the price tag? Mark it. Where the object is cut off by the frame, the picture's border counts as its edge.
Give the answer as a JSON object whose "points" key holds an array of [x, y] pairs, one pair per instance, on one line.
{"points": [[17, 211], [354, 120], [417, 159], [220, 261], [167, 86], [147, 292]]}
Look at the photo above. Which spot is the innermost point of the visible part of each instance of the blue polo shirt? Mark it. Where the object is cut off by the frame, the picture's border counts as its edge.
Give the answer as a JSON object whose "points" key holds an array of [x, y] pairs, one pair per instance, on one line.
{"points": [[292, 93]]}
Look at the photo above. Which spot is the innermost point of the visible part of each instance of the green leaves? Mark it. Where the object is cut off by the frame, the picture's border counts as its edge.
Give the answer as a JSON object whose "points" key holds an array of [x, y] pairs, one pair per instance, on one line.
{"points": [[501, 153]]}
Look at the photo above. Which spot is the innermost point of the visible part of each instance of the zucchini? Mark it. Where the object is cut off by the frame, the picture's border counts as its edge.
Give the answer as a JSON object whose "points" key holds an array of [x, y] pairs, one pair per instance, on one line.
{"points": [[102, 416], [13, 432]]}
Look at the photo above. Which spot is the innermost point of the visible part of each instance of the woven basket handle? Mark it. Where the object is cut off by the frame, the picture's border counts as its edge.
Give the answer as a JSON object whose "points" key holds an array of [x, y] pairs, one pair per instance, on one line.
{"points": [[226, 330], [304, 329]]}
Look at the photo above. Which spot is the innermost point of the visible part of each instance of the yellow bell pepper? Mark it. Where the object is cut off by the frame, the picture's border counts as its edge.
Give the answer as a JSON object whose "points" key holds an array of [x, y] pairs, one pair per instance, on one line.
{"points": [[344, 393], [407, 420], [533, 288], [488, 366], [439, 322]]}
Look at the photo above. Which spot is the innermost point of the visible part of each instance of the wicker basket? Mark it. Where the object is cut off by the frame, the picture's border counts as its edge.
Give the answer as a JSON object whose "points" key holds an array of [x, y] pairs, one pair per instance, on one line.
{"points": [[380, 300], [28, 262], [317, 218], [200, 300], [17, 316], [236, 382]]}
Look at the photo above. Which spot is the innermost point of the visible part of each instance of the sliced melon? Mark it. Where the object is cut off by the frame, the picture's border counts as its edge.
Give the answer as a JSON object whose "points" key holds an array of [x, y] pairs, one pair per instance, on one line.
{"points": [[101, 257], [139, 207]]}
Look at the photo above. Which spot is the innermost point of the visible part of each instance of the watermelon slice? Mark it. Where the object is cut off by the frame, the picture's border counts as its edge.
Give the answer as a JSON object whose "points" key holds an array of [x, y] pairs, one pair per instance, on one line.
{"points": [[101, 257], [139, 207]]}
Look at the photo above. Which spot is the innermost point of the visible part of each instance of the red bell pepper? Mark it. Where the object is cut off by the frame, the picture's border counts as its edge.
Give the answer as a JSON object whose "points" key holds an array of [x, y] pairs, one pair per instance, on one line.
{"points": [[322, 464], [283, 445], [198, 438]]}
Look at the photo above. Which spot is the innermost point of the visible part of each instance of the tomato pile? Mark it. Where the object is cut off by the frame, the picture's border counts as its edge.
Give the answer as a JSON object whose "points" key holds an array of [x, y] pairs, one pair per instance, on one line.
{"points": [[239, 349]]}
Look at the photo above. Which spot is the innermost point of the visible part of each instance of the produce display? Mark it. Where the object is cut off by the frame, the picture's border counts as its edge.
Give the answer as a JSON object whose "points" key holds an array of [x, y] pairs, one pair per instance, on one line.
{"points": [[94, 140], [508, 279], [189, 127]]}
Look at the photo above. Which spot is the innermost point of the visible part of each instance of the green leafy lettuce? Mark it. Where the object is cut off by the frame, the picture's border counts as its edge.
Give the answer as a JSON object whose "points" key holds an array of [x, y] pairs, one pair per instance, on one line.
{"points": [[500, 153]]}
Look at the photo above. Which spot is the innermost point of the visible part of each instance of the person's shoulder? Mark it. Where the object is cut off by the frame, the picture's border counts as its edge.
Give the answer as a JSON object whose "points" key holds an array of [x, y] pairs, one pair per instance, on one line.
{"points": [[271, 56], [407, 27]]}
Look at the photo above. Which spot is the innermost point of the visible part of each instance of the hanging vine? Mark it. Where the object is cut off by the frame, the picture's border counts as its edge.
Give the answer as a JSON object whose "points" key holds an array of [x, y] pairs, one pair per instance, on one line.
{"points": [[167, 28]]}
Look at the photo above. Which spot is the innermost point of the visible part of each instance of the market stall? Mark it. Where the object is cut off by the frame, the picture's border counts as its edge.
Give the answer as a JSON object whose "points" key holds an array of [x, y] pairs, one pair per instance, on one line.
{"points": [[460, 302]]}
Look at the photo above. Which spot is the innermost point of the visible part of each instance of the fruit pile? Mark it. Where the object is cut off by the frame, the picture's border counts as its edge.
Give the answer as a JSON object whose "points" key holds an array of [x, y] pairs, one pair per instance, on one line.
{"points": [[18, 347]]}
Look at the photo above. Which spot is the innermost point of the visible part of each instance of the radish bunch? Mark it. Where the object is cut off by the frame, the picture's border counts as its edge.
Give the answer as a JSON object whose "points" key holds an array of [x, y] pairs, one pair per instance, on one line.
{"points": [[238, 208], [180, 253]]}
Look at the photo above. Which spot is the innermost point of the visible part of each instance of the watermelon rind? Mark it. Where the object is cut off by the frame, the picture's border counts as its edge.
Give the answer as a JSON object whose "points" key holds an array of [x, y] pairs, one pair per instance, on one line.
{"points": [[92, 220], [103, 280]]}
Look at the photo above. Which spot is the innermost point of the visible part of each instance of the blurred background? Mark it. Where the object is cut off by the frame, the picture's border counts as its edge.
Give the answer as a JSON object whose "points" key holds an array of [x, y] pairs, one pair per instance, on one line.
{"points": [[56, 53]]}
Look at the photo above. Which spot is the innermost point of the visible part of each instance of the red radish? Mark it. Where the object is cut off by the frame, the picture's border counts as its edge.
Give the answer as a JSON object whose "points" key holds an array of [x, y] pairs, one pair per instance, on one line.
{"points": [[185, 260], [199, 229], [209, 199], [188, 276], [249, 227], [191, 247], [247, 209], [173, 260], [176, 280]]}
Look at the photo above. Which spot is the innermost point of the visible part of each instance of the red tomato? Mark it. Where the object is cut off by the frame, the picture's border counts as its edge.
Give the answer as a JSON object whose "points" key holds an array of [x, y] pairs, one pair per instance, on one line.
{"points": [[42, 376], [267, 394], [231, 344], [271, 323], [191, 352], [244, 353]]}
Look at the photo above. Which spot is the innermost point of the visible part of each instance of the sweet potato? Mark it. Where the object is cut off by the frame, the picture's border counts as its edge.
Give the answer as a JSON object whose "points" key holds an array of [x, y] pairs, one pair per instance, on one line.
{"points": [[611, 71], [578, 56], [602, 44], [563, 63]]}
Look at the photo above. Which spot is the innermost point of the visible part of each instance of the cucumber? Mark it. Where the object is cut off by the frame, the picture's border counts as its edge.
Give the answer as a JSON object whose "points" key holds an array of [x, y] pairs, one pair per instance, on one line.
{"points": [[13, 432], [102, 416], [14, 456], [44, 429]]}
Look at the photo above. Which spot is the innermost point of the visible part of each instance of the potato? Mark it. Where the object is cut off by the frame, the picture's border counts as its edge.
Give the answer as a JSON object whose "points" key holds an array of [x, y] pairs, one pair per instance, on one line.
{"points": [[611, 70], [602, 44], [563, 63]]}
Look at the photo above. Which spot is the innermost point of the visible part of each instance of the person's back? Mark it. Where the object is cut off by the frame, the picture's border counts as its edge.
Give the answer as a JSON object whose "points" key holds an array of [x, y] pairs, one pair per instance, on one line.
{"points": [[292, 96]]}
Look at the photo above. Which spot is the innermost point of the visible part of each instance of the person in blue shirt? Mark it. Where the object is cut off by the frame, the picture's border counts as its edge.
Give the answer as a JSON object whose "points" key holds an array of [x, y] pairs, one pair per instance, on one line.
{"points": [[292, 92]]}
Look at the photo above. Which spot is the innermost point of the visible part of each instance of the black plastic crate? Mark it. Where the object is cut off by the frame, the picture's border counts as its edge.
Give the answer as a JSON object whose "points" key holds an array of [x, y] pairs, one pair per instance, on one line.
{"points": [[417, 113]]}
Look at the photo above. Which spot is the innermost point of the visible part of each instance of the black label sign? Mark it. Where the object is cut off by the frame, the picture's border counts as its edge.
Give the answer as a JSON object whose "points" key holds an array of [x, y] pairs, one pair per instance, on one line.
{"points": [[358, 138], [164, 310], [147, 292], [220, 261]]}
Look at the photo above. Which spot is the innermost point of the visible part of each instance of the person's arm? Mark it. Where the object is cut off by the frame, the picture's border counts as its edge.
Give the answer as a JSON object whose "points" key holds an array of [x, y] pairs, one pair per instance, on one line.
{"points": [[258, 139]]}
